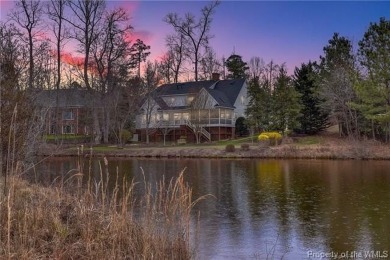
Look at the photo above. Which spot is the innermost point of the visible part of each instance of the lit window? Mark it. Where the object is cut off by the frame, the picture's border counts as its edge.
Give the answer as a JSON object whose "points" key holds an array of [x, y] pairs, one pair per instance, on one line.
{"points": [[186, 116], [242, 100], [176, 116]]}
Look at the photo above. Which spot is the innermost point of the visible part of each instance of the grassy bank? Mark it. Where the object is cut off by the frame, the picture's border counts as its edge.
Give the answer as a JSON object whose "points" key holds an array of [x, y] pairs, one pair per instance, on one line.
{"points": [[68, 221], [310, 147]]}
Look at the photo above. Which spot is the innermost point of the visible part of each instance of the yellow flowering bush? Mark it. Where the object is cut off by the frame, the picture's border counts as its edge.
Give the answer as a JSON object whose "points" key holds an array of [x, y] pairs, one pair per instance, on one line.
{"points": [[263, 137], [273, 137]]}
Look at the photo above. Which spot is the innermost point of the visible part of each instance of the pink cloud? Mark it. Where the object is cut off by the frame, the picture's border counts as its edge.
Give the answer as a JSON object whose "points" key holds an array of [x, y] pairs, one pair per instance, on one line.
{"points": [[72, 60]]}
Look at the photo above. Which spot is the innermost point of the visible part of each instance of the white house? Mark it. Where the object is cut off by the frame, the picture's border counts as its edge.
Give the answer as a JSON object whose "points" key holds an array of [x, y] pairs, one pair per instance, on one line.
{"points": [[208, 109]]}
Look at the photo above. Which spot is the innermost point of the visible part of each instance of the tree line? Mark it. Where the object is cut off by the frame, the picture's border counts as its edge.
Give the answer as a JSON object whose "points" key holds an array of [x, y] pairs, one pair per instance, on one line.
{"points": [[344, 87]]}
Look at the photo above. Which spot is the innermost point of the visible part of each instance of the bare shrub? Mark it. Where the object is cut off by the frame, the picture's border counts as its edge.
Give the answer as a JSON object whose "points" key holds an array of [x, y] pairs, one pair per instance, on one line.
{"points": [[230, 148], [245, 147]]}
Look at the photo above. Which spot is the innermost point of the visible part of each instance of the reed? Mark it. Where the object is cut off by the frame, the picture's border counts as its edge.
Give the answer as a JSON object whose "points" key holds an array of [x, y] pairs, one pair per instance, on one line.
{"points": [[74, 220]]}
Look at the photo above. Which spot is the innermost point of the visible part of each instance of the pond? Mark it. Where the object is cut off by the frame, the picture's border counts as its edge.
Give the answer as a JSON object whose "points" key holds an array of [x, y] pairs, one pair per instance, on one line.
{"points": [[264, 209]]}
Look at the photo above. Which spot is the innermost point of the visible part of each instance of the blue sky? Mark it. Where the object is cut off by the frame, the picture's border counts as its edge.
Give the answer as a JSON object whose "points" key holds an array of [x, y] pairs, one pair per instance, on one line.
{"points": [[284, 31]]}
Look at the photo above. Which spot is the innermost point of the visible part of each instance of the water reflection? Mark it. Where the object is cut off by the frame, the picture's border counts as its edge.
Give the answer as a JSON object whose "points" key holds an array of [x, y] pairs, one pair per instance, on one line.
{"points": [[264, 208]]}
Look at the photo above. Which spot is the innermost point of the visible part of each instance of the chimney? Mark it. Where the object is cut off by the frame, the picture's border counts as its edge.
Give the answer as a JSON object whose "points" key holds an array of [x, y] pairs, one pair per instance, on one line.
{"points": [[215, 76]]}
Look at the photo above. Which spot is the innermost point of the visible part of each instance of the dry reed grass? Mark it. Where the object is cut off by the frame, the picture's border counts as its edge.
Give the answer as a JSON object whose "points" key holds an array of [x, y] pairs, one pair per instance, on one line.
{"points": [[70, 221]]}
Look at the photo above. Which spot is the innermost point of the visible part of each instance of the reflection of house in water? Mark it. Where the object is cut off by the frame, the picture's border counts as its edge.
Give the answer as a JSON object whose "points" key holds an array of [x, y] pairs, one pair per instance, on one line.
{"points": [[209, 108], [71, 115]]}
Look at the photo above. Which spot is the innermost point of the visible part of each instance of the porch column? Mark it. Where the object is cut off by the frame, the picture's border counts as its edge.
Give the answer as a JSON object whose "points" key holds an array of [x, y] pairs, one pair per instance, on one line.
{"points": [[219, 116]]}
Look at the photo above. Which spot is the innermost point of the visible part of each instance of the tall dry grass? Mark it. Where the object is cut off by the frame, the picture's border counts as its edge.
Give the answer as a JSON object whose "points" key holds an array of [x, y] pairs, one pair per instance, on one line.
{"points": [[70, 220]]}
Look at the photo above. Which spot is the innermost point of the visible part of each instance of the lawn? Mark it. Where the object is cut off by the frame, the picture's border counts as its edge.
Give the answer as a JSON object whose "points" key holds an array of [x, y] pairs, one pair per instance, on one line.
{"points": [[309, 140]]}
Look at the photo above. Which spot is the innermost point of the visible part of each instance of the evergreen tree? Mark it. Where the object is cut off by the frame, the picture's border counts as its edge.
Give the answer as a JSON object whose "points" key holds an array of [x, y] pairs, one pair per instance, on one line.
{"points": [[286, 103], [336, 79], [259, 106], [241, 128], [374, 91], [236, 67], [314, 117]]}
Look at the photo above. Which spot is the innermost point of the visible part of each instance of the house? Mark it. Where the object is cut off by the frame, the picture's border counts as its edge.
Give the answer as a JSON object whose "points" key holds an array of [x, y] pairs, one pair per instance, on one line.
{"points": [[202, 110], [67, 111]]}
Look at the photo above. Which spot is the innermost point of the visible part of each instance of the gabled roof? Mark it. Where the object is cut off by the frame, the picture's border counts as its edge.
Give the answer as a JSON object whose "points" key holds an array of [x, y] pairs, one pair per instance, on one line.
{"points": [[73, 97], [192, 87], [225, 92]]}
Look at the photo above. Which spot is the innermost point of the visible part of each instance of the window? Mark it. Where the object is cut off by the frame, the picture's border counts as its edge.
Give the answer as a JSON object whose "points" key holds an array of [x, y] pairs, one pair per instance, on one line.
{"points": [[242, 100], [165, 117], [176, 116], [186, 116], [53, 129], [67, 115], [189, 100], [67, 129]]}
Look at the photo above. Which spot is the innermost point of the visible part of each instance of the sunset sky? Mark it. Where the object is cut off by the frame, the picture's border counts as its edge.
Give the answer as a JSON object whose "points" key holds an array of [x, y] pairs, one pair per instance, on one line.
{"points": [[285, 31]]}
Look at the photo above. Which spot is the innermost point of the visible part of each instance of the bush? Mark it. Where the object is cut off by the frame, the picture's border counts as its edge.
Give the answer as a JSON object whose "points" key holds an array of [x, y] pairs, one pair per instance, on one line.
{"points": [[263, 137], [230, 148], [245, 147], [274, 138], [125, 135]]}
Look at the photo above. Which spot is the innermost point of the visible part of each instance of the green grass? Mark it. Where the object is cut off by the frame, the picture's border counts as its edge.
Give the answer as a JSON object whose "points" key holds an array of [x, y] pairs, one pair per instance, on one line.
{"points": [[308, 140], [237, 141], [64, 137], [105, 148]]}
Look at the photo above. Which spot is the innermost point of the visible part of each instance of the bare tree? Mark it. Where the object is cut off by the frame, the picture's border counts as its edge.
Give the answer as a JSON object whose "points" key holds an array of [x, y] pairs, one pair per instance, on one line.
{"points": [[150, 83], [196, 32], [55, 12], [210, 64], [164, 68], [177, 50], [17, 122], [27, 14], [198, 108], [85, 20], [112, 57], [256, 67]]}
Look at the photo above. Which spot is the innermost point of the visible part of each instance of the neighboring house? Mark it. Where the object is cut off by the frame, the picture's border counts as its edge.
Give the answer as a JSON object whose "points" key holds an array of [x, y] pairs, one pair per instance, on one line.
{"points": [[72, 111], [182, 110]]}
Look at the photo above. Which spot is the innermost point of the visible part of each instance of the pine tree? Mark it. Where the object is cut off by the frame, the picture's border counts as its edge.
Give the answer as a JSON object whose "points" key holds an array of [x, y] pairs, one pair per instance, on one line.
{"points": [[260, 105], [286, 103], [314, 117], [236, 67], [374, 91]]}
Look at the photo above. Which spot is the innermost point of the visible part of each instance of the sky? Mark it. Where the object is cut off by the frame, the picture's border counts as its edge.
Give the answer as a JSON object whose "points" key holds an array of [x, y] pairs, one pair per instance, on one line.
{"points": [[291, 32]]}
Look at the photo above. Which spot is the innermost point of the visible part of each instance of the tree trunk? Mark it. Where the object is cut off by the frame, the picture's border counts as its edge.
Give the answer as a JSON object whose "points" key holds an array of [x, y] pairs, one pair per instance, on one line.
{"points": [[96, 126], [106, 125], [31, 61]]}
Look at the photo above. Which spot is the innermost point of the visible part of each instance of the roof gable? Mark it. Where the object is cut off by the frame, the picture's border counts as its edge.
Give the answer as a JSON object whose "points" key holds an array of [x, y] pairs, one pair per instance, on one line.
{"points": [[224, 92]]}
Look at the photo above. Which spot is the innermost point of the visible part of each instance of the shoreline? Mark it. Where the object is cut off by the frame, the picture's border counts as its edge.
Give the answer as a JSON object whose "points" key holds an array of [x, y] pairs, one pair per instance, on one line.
{"points": [[343, 150]]}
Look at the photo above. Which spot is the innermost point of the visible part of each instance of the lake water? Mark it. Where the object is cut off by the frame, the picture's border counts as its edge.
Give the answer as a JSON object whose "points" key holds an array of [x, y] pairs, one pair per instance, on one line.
{"points": [[272, 209]]}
